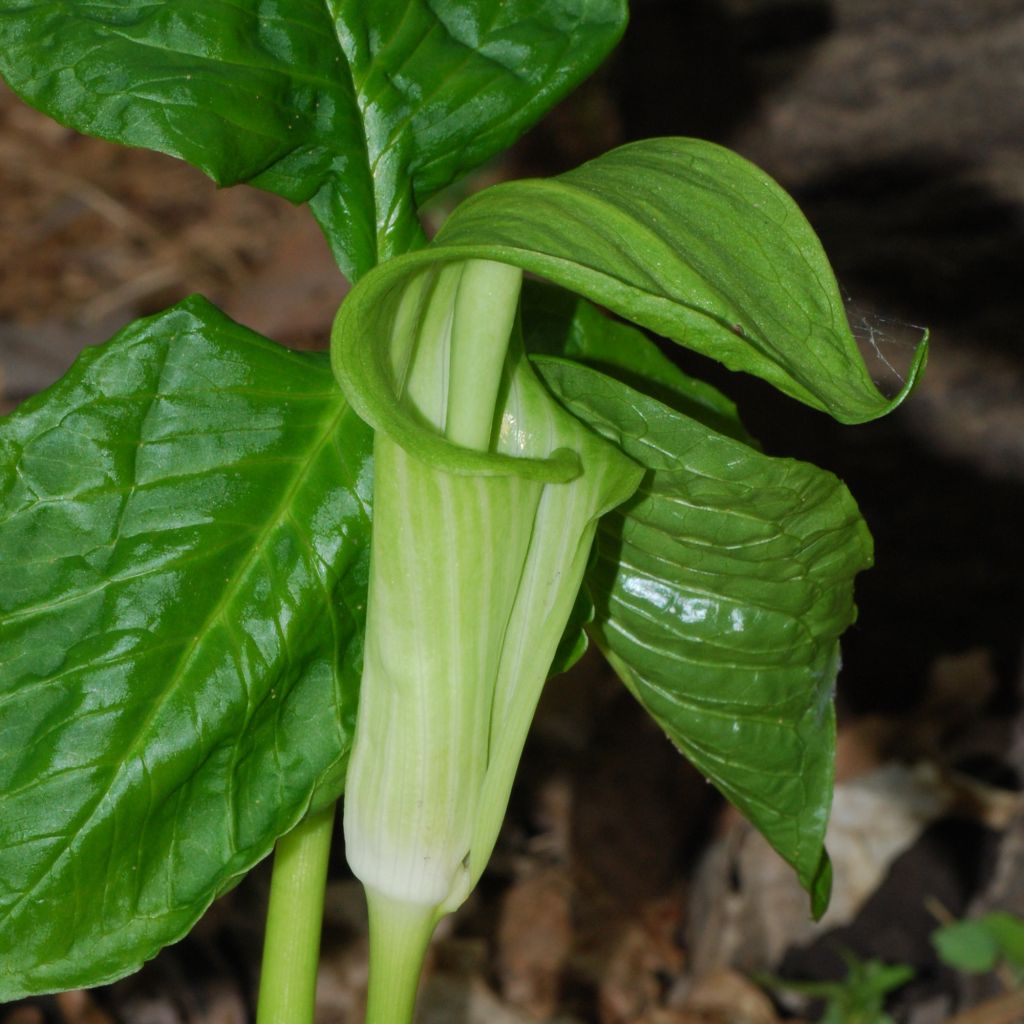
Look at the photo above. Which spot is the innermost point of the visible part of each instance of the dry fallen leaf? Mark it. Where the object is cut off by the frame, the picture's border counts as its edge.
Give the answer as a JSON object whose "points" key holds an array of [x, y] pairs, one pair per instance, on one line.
{"points": [[534, 940], [730, 998], [747, 907]]}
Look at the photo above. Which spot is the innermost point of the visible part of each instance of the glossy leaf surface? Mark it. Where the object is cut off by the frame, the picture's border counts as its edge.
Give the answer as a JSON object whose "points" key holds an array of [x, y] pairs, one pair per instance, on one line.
{"points": [[720, 591], [693, 242], [362, 109], [183, 565]]}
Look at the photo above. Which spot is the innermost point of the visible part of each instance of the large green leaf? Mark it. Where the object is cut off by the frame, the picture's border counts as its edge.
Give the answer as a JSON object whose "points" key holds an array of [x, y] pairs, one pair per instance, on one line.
{"points": [[361, 108], [183, 567], [692, 241], [720, 591]]}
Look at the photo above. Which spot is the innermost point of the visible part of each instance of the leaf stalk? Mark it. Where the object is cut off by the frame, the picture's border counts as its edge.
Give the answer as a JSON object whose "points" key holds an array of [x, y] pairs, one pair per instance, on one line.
{"points": [[291, 947]]}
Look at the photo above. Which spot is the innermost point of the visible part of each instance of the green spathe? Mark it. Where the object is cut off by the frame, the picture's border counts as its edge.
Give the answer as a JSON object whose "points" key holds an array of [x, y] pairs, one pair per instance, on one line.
{"points": [[473, 578]]}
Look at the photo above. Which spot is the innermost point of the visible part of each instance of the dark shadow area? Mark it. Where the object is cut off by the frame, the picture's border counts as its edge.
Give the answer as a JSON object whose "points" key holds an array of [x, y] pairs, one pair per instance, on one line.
{"points": [[926, 237], [699, 68]]}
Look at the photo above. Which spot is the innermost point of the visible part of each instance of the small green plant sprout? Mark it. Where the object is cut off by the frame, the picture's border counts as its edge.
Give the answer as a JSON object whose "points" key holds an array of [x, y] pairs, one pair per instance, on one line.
{"points": [[991, 942], [859, 998], [238, 582]]}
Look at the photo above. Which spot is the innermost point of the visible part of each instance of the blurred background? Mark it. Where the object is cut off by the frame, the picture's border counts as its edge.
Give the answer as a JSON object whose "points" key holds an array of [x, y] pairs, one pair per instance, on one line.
{"points": [[622, 890]]}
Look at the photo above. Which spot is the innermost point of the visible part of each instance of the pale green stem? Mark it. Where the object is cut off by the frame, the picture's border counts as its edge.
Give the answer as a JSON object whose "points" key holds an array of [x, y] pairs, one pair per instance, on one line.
{"points": [[484, 312], [291, 945], [399, 935]]}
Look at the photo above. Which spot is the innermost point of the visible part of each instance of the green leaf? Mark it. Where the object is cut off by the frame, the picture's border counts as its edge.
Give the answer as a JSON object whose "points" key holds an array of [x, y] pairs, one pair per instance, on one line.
{"points": [[977, 945], [721, 588], [967, 946], [859, 998], [361, 109], [558, 323], [693, 242], [1008, 930], [184, 536]]}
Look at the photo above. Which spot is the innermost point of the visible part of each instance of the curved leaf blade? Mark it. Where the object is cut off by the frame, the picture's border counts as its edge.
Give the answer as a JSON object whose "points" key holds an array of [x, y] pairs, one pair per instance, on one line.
{"points": [[557, 323], [689, 240], [183, 566], [361, 109], [720, 591]]}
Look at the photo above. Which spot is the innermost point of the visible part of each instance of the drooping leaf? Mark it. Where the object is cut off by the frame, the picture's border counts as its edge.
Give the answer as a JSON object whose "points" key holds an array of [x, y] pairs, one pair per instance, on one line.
{"points": [[557, 323], [721, 588], [362, 109], [693, 242], [183, 565]]}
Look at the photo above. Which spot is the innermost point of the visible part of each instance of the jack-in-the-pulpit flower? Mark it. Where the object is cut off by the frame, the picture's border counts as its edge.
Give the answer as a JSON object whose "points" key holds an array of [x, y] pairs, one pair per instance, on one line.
{"points": [[486, 498]]}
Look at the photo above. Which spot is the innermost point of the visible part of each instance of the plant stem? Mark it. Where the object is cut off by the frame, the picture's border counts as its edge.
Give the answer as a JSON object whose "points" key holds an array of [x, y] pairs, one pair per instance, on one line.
{"points": [[291, 947], [399, 935]]}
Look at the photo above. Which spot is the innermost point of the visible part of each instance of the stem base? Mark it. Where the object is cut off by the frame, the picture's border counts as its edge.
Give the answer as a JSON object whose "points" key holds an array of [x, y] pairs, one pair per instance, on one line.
{"points": [[399, 935], [292, 944]]}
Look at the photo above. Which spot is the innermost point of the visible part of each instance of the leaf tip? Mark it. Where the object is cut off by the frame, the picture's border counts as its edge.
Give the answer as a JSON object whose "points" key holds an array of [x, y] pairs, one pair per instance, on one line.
{"points": [[871, 403], [917, 368], [820, 886]]}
